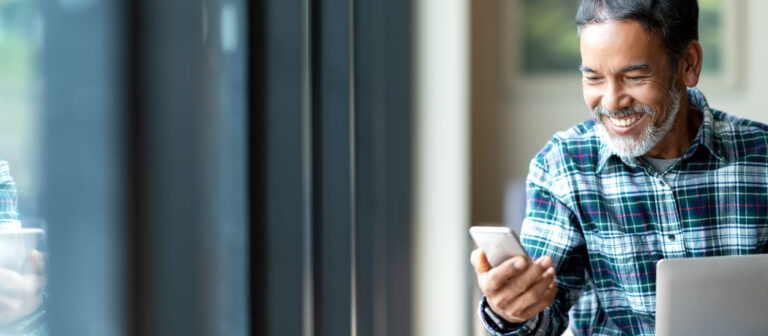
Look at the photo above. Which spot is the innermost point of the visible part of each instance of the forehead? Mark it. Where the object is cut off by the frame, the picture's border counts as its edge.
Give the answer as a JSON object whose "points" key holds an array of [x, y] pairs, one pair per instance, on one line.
{"points": [[613, 45]]}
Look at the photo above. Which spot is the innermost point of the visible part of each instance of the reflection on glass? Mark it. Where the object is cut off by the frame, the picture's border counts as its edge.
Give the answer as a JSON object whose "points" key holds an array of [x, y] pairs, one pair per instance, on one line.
{"points": [[22, 242], [22, 278], [22, 267], [551, 45]]}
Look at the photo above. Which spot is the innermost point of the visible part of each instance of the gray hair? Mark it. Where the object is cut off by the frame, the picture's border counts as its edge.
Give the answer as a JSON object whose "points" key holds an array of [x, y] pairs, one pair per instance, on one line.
{"points": [[676, 22]]}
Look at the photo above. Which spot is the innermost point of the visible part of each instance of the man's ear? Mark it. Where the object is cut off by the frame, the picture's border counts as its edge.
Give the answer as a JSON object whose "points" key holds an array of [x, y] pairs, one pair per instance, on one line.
{"points": [[689, 64]]}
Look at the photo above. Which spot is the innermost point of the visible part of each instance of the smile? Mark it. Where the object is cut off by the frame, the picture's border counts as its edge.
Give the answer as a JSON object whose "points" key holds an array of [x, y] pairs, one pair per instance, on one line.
{"points": [[627, 121]]}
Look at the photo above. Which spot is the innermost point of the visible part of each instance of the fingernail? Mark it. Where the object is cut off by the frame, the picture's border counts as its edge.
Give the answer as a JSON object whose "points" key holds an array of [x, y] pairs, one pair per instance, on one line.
{"points": [[519, 263], [546, 262]]}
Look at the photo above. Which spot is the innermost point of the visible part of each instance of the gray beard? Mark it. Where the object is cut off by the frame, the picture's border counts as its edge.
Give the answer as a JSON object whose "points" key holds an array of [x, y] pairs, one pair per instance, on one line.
{"points": [[628, 146]]}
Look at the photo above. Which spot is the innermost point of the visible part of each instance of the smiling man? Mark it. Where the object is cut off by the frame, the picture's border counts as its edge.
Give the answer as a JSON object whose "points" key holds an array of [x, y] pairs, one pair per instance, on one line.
{"points": [[656, 173]]}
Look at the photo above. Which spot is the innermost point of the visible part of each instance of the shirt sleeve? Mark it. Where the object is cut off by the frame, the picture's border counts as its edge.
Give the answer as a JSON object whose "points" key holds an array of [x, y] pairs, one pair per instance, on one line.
{"points": [[549, 229], [9, 215], [500, 327]]}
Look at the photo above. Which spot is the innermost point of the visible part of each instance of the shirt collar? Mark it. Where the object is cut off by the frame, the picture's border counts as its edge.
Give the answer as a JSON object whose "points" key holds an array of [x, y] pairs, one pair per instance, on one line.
{"points": [[706, 136]]}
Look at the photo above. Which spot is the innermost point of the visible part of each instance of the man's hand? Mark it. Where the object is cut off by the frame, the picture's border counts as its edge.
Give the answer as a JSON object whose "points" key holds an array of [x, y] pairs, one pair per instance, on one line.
{"points": [[516, 291], [20, 292]]}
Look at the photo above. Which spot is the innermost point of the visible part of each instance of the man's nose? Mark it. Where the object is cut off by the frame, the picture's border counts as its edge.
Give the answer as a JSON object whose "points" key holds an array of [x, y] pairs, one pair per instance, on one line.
{"points": [[615, 98]]}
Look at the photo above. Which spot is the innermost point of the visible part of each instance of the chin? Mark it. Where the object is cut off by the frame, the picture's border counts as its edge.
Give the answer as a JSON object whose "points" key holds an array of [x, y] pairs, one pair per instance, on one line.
{"points": [[630, 145]]}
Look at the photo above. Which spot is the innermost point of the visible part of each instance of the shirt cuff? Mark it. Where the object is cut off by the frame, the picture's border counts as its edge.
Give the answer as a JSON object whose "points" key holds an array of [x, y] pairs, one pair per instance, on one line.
{"points": [[501, 327], [34, 324]]}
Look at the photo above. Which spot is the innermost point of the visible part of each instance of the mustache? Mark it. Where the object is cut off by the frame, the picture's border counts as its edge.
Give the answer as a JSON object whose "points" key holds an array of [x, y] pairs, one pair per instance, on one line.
{"points": [[623, 112]]}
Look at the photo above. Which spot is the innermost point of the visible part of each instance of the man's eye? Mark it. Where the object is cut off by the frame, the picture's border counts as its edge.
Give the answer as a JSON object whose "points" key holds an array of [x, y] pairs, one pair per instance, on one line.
{"points": [[636, 78], [592, 79]]}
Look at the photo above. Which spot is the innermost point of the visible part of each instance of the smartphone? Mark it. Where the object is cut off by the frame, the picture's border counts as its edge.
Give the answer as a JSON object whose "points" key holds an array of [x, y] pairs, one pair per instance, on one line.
{"points": [[498, 243], [16, 245]]}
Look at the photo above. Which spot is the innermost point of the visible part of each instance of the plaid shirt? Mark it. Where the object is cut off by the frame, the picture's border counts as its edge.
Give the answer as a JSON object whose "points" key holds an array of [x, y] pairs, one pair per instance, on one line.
{"points": [[9, 216], [606, 221]]}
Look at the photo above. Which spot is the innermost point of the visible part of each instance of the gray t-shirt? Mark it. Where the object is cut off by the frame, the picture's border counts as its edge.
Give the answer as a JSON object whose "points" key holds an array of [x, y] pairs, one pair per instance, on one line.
{"points": [[660, 164]]}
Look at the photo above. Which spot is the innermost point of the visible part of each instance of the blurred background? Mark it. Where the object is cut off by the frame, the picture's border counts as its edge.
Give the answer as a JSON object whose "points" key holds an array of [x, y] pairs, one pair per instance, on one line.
{"points": [[20, 94], [230, 167]]}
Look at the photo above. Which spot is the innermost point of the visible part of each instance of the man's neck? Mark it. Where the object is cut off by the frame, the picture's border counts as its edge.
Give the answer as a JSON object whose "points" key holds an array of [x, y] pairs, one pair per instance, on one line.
{"points": [[681, 135]]}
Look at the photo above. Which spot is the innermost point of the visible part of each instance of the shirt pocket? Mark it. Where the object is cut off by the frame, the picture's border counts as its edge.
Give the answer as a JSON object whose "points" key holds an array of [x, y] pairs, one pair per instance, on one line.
{"points": [[624, 269]]}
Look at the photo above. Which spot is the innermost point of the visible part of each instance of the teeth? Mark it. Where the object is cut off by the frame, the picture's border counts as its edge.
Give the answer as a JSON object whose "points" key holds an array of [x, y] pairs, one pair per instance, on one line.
{"points": [[625, 122]]}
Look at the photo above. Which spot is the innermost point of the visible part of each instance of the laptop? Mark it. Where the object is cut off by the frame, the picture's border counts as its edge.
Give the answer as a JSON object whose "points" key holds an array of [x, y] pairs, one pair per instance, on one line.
{"points": [[712, 296]]}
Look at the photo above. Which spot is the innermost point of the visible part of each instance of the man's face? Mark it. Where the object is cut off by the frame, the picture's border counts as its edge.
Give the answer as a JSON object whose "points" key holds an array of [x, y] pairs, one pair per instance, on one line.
{"points": [[628, 83]]}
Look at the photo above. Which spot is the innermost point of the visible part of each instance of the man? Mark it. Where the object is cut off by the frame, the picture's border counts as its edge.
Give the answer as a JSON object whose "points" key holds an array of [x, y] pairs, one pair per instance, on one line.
{"points": [[21, 290], [656, 174]]}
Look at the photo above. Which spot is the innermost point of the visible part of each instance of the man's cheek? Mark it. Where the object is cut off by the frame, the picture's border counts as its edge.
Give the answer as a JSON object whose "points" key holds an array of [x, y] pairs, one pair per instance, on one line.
{"points": [[657, 119]]}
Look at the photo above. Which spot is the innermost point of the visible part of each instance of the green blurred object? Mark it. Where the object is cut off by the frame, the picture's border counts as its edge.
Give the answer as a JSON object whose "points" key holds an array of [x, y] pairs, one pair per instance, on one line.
{"points": [[21, 23], [551, 44], [711, 33], [17, 45]]}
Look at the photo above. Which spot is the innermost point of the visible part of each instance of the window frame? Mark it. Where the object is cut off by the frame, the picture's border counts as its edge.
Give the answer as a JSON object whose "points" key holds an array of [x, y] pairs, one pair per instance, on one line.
{"points": [[333, 164]]}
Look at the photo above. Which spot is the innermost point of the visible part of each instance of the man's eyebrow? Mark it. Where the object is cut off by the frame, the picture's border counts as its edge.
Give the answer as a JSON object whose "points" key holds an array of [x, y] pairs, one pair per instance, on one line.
{"points": [[583, 68], [640, 66]]}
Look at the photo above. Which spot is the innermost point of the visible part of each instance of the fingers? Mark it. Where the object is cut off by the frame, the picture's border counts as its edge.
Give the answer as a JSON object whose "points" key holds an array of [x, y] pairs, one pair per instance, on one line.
{"points": [[518, 290], [524, 275], [531, 302], [17, 285], [537, 291], [20, 292], [479, 261], [500, 275], [11, 282], [542, 304], [528, 277], [520, 308]]}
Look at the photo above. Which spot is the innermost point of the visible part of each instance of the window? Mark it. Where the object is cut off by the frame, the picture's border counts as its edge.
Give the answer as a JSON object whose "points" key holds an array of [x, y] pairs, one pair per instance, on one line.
{"points": [[550, 45], [20, 139], [145, 175]]}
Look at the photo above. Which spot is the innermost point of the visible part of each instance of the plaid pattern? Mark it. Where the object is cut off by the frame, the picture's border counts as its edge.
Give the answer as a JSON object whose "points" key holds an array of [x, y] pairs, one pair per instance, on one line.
{"points": [[607, 221], [9, 216]]}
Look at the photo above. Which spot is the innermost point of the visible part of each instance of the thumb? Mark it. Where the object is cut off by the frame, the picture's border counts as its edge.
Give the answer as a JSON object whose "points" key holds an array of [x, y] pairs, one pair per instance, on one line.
{"points": [[480, 262]]}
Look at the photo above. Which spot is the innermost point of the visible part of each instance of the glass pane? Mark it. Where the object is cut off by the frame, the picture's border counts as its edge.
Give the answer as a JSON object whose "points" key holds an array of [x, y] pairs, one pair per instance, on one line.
{"points": [[550, 43]]}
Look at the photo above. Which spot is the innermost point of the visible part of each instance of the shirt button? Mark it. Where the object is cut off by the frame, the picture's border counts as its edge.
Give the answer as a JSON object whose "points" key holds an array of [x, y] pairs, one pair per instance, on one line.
{"points": [[671, 237]]}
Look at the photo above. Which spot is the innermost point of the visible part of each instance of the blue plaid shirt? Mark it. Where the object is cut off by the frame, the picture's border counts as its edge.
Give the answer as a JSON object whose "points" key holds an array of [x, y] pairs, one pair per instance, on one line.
{"points": [[9, 215], [606, 221]]}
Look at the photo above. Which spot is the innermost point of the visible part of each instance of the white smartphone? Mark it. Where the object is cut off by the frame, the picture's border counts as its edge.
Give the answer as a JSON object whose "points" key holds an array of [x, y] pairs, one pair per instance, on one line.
{"points": [[16, 244], [498, 243]]}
